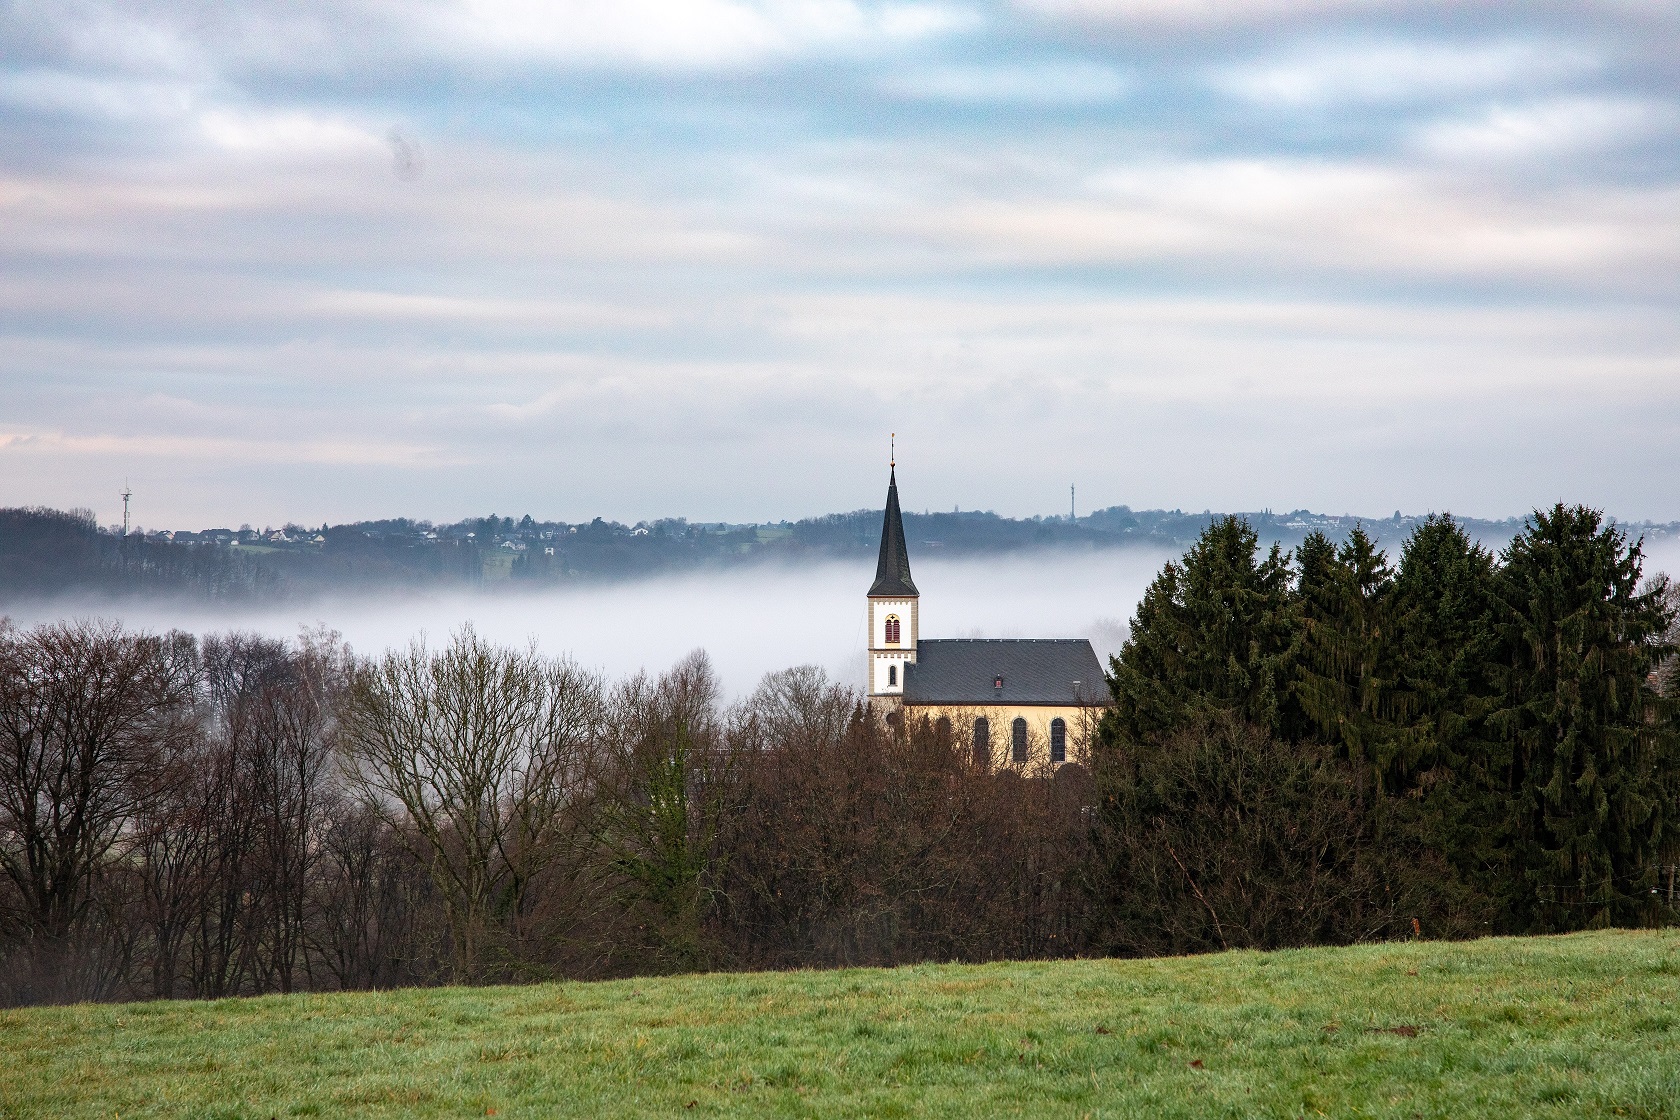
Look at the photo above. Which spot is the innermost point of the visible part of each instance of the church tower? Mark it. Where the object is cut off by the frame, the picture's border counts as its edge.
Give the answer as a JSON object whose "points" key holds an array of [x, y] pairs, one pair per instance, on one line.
{"points": [[893, 601]]}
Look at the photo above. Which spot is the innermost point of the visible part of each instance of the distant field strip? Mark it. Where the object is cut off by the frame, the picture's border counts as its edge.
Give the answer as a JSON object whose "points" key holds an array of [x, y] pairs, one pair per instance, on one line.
{"points": [[1584, 1025]]}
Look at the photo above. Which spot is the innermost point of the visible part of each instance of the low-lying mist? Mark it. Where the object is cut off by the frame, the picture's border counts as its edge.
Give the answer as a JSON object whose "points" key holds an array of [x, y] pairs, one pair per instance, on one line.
{"points": [[749, 620]]}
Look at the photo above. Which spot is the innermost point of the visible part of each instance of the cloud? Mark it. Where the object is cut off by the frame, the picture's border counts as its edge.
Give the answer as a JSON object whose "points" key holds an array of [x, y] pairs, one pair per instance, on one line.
{"points": [[107, 97], [374, 42], [413, 307], [1396, 71], [271, 132], [1048, 84], [1202, 13], [259, 188], [1235, 402], [111, 38], [1547, 129], [1296, 218], [682, 33], [360, 452], [1116, 352], [691, 257]]}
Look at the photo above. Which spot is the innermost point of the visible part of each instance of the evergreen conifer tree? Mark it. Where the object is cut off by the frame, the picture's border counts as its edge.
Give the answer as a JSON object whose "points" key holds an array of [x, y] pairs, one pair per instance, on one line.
{"points": [[1444, 645], [1213, 633], [1439, 758], [1345, 679], [1592, 753]]}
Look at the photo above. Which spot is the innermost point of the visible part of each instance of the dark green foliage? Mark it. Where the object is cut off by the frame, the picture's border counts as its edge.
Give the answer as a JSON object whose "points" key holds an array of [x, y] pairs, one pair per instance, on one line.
{"points": [[1344, 668], [1221, 836], [1213, 632], [1440, 758], [1492, 721], [1444, 644], [1584, 742]]}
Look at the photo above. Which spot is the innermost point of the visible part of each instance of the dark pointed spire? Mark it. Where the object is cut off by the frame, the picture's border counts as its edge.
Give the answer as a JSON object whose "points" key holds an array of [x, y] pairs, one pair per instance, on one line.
{"points": [[892, 571]]}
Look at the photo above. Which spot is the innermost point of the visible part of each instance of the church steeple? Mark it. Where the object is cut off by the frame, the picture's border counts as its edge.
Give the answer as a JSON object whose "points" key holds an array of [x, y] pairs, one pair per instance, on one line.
{"points": [[894, 604], [892, 570]]}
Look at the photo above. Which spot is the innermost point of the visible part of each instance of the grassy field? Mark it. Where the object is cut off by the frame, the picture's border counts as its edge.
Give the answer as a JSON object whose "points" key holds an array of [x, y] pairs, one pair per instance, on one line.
{"points": [[1569, 1026]]}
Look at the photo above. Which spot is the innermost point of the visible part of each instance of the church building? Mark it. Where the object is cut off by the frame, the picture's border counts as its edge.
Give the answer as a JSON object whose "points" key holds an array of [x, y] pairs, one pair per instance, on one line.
{"points": [[1016, 701]]}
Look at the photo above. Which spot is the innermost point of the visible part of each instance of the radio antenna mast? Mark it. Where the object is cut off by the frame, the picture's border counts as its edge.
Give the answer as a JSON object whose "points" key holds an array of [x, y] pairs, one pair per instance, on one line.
{"points": [[126, 493]]}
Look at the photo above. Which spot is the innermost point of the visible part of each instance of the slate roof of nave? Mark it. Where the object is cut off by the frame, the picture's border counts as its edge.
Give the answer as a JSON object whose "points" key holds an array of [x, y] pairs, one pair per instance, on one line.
{"points": [[960, 671]]}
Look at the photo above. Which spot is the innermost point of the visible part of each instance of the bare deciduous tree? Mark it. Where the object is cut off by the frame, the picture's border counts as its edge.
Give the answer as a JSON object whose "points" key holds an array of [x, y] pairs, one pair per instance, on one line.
{"points": [[289, 728], [85, 711], [369, 903], [473, 755]]}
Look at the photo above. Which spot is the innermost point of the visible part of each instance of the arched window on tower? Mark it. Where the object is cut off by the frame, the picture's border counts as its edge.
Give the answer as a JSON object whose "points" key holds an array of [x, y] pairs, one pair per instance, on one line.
{"points": [[892, 676], [892, 630], [983, 743], [1058, 740], [1018, 740]]}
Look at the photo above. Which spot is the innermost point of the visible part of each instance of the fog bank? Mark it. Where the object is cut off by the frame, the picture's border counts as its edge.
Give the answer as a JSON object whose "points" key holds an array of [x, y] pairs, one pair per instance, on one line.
{"points": [[750, 620]]}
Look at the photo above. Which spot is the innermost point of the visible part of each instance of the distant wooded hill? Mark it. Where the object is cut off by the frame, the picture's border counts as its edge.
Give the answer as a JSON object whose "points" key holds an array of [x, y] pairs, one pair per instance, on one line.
{"points": [[49, 553]]}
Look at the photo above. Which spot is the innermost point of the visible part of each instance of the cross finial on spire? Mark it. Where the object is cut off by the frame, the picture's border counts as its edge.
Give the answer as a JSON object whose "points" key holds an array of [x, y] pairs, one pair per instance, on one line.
{"points": [[892, 450]]}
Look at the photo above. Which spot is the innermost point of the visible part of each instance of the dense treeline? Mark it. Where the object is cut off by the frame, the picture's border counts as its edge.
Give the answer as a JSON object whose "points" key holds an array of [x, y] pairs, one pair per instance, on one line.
{"points": [[1326, 747], [46, 552], [1316, 747], [238, 815]]}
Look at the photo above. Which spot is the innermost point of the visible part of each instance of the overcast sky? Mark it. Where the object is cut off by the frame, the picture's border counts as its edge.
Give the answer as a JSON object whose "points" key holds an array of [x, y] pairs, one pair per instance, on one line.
{"points": [[636, 258]]}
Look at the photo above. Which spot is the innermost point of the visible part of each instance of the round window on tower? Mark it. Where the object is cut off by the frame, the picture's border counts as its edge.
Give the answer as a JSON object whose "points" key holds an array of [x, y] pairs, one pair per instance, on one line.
{"points": [[892, 630]]}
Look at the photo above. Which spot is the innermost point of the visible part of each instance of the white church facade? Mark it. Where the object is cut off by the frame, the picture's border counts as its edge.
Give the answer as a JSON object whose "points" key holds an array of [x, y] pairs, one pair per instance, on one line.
{"points": [[1015, 703]]}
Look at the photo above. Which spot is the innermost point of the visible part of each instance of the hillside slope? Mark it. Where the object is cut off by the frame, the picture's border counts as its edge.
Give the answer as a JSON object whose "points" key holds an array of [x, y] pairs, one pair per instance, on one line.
{"points": [[46, 553], [1570, 1026]]}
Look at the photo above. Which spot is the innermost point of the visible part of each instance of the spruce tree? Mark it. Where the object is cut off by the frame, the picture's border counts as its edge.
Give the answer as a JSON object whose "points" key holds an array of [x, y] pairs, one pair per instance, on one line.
{"points": [[1440, 758], [1592, 751], [1345, 678], [1213, 633], [1444, 645]]}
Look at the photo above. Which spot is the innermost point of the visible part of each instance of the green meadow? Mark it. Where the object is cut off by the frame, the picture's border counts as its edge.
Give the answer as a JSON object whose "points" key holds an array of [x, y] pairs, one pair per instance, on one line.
{"points": [[1582, 1025]]}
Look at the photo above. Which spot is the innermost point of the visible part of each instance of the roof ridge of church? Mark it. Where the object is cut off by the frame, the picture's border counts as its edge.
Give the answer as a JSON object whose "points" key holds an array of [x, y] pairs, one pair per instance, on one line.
{"points": [[892, 570], [927, 640]]}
